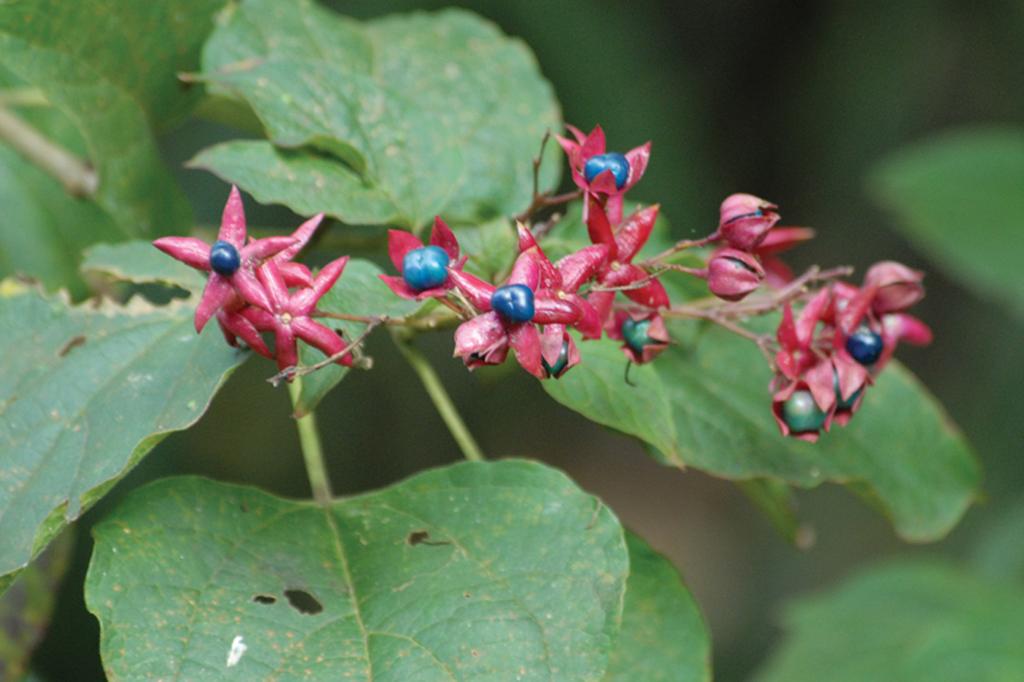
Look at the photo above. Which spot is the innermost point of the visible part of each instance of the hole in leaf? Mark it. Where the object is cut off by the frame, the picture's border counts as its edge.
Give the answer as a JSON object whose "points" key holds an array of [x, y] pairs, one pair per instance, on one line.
{"points": [[422, 537], [264, 599], [303, 602]]}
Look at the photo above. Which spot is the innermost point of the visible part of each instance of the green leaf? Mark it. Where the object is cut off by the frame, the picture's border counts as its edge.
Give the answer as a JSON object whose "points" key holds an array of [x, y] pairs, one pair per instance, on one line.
{"points": [[141, 263], [663, 636], [497, 571], [908, 622], [86, 59], [85, 393], [26, 607], [358, 292], [491, 248], [998, 552], [708, 407], [399, 119], [960, 197], [45, 229]]}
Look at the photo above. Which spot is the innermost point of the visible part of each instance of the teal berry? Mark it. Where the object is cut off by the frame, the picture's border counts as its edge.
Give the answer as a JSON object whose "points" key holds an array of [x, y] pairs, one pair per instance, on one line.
{"points": [[849, 402], [634, 333], [613, 161], [801, 413], [560, 363], [224, 258], [514, 302], [864, 346], [425, 268]]}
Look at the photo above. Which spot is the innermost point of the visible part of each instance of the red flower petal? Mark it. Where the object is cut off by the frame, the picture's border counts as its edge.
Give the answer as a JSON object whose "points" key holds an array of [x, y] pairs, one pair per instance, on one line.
{"points": [[579, 267], [475, 289], [550, 309], [400, 243], [232, 222], [443, 236], [635, 232], [189, 250], [598, 227], [526, 270], [302, 234], [320, 337], [480, 335], [217, 293], [525, 341]]}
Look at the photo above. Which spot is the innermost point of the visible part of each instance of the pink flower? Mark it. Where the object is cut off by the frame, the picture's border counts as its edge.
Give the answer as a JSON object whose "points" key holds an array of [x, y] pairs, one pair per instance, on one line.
{"points": [[623, 245], [220, 288], [486, 338], [812, 358], [732, 274], [888, 289], [744, 220], [585, 147], [402, 243], [288, 315]]}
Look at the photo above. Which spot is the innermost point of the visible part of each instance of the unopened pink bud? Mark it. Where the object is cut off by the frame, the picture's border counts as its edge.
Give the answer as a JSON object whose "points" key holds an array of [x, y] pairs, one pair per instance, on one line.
{"points": [[732, 274], [745, 220]]}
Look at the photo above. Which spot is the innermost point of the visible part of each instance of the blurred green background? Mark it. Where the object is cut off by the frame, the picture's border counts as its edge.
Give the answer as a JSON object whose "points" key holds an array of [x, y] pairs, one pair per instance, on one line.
{"points": [[792, 101]]}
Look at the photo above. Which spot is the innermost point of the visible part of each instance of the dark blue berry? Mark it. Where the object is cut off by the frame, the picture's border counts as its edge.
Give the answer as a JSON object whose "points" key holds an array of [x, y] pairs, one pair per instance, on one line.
{"points": [[560, 363], [425, 268], [634, 333], [613, 161], [864, 346], [840, 403], [801, 413], [224, 258], [514, 302]]}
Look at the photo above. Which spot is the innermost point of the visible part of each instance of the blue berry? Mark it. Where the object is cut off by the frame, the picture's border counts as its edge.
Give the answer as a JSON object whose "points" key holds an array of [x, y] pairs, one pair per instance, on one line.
{"points": [[801, 413], [613, 161], [560, 363], [634, 333], [224, 258], [864, 346], [840, 403], [425, 268], [514, 302]]}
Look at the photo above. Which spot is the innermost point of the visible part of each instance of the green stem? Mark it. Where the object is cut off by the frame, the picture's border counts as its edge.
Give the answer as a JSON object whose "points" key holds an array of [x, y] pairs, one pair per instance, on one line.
{"points": [[75, 174], [441, 400], [312, 452]]}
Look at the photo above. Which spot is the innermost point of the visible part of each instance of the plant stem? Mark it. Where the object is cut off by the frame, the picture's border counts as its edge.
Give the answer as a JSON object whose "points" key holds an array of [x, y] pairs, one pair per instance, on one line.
{"points": [[76, 175], [439, 396], [312, 452]]}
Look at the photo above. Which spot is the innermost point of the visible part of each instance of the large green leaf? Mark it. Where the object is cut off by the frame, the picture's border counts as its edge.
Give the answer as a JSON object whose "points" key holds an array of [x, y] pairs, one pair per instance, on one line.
{"points": [[85, 392], [708, 407], [110, 67], [477, 571], [911, 622], [358, 292], [960, 197], [400, 118], [663, 636], [26, 607]]}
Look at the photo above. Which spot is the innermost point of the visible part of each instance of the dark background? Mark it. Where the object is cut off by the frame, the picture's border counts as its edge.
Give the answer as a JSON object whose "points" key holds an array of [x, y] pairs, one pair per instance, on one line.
{"points": [[792, 101]]}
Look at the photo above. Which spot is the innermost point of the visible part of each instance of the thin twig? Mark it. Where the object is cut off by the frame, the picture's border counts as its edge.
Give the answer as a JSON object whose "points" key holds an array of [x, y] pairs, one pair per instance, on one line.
{"points": [[681, 245], [296, 371], [78, 178]]}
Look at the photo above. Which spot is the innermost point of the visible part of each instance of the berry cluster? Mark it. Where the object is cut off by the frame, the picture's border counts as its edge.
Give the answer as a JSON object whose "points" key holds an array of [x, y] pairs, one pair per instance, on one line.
{"points": [[256, 287], [842, 338], [823, 357]]}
